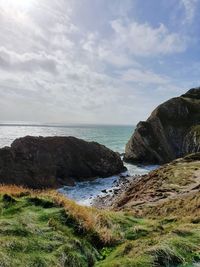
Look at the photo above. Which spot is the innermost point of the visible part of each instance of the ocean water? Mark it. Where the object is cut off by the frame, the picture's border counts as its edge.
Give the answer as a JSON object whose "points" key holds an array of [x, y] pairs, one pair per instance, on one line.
{"points": [[114, 137]]}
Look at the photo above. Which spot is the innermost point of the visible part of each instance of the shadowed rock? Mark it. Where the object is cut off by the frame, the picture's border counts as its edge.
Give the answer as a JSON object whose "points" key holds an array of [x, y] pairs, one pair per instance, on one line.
{"points": [[41, 162], [172, 131]]}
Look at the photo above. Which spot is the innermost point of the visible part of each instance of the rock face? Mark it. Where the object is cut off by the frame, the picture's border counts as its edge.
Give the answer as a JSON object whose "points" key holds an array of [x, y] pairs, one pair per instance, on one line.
{"points": [[167, 190], [42, 162], [172, 131]]}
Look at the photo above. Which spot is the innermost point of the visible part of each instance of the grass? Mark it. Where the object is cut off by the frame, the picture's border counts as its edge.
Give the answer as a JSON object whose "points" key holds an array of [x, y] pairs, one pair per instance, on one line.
{"points": [[36, 234], [177, 174], [46, 229], [165, 190], [165, 248]]}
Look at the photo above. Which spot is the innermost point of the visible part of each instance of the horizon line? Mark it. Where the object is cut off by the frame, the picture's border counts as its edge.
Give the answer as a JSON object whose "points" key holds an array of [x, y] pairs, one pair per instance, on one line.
{"points": [[54, 124]]}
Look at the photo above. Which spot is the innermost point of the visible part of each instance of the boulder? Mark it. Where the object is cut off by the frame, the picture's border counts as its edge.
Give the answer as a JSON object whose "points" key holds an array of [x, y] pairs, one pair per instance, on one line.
{"points": [[51, 162], [172, 131]]}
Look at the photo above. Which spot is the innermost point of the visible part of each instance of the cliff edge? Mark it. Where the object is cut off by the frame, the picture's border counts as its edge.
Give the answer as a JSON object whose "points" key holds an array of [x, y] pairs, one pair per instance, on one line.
{"points": [[172, 131]]}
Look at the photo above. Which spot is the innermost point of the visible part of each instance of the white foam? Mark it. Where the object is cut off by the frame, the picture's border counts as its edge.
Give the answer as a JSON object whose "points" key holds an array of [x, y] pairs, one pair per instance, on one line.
{"points": [[84, 192]]}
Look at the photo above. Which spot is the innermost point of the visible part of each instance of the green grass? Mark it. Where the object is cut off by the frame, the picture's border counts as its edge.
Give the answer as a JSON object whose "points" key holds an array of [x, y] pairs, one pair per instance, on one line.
{"points": [[160, 249], [36, 230], [34, 235]]}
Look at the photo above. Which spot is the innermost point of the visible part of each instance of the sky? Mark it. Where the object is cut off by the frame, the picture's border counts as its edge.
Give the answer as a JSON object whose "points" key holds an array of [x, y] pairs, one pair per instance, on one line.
{"points": [[95, 61]]}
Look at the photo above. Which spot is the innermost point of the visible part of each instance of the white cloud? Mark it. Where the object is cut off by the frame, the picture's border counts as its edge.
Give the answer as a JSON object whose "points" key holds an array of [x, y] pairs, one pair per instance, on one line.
{"points": [[144, 40], [53, 70], [190, 9], [12, 61], [116, 59], [144, 77], [130, 40]]}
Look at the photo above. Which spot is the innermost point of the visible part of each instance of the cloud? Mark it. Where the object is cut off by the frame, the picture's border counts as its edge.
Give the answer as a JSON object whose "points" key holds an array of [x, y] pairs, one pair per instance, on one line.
{"points": [[130, 40], [144, 40], [190, 9], [56, 68], [105, 51], [27, 62], [121, 8], [144, 77]]}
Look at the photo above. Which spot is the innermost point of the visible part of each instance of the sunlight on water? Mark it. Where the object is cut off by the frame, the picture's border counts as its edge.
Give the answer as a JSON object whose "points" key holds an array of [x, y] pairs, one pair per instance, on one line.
{"points": [[114, 137]]}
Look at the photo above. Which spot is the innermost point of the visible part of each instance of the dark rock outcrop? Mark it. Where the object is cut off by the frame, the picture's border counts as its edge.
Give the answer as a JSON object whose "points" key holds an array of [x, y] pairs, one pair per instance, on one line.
{"points": [[42, 162], [172, 131]]}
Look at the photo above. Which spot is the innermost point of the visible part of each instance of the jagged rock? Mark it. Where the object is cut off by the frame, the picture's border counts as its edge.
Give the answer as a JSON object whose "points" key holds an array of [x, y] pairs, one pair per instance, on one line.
{"points": [[104, 191], [172, 131], [40, 162]]}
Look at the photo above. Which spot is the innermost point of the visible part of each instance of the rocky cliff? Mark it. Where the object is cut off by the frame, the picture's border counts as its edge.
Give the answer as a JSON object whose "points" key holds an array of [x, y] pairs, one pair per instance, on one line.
{"points": [[171, 190], [40, 162], [172, 131]]}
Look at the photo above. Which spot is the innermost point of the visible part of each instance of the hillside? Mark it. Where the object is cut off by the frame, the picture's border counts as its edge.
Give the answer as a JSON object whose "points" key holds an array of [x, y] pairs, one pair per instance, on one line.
{"points": [[155, 223], [175, 183]]}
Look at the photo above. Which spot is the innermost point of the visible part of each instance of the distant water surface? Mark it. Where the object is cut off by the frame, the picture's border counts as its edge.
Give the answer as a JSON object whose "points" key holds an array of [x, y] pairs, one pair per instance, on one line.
{"points": [[114, 137]]}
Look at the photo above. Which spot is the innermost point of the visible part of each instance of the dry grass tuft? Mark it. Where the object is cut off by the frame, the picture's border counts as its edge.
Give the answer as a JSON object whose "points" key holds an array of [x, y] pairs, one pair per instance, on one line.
{"points": [[88, 218], [13, 190]]}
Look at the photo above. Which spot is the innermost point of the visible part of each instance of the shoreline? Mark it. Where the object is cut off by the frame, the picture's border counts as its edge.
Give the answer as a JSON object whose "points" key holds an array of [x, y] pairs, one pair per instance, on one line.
{"points": [[93, 191], [107, 200]]}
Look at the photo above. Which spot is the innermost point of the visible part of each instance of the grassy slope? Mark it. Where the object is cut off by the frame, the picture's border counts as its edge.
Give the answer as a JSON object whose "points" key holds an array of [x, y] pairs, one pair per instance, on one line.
{"points": [[45, 229], [170, 185], [31, 235]]}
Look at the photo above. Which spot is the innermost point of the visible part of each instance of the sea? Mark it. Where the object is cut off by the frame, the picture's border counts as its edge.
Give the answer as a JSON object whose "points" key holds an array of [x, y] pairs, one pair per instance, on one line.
{"points": [[114, 137]]}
